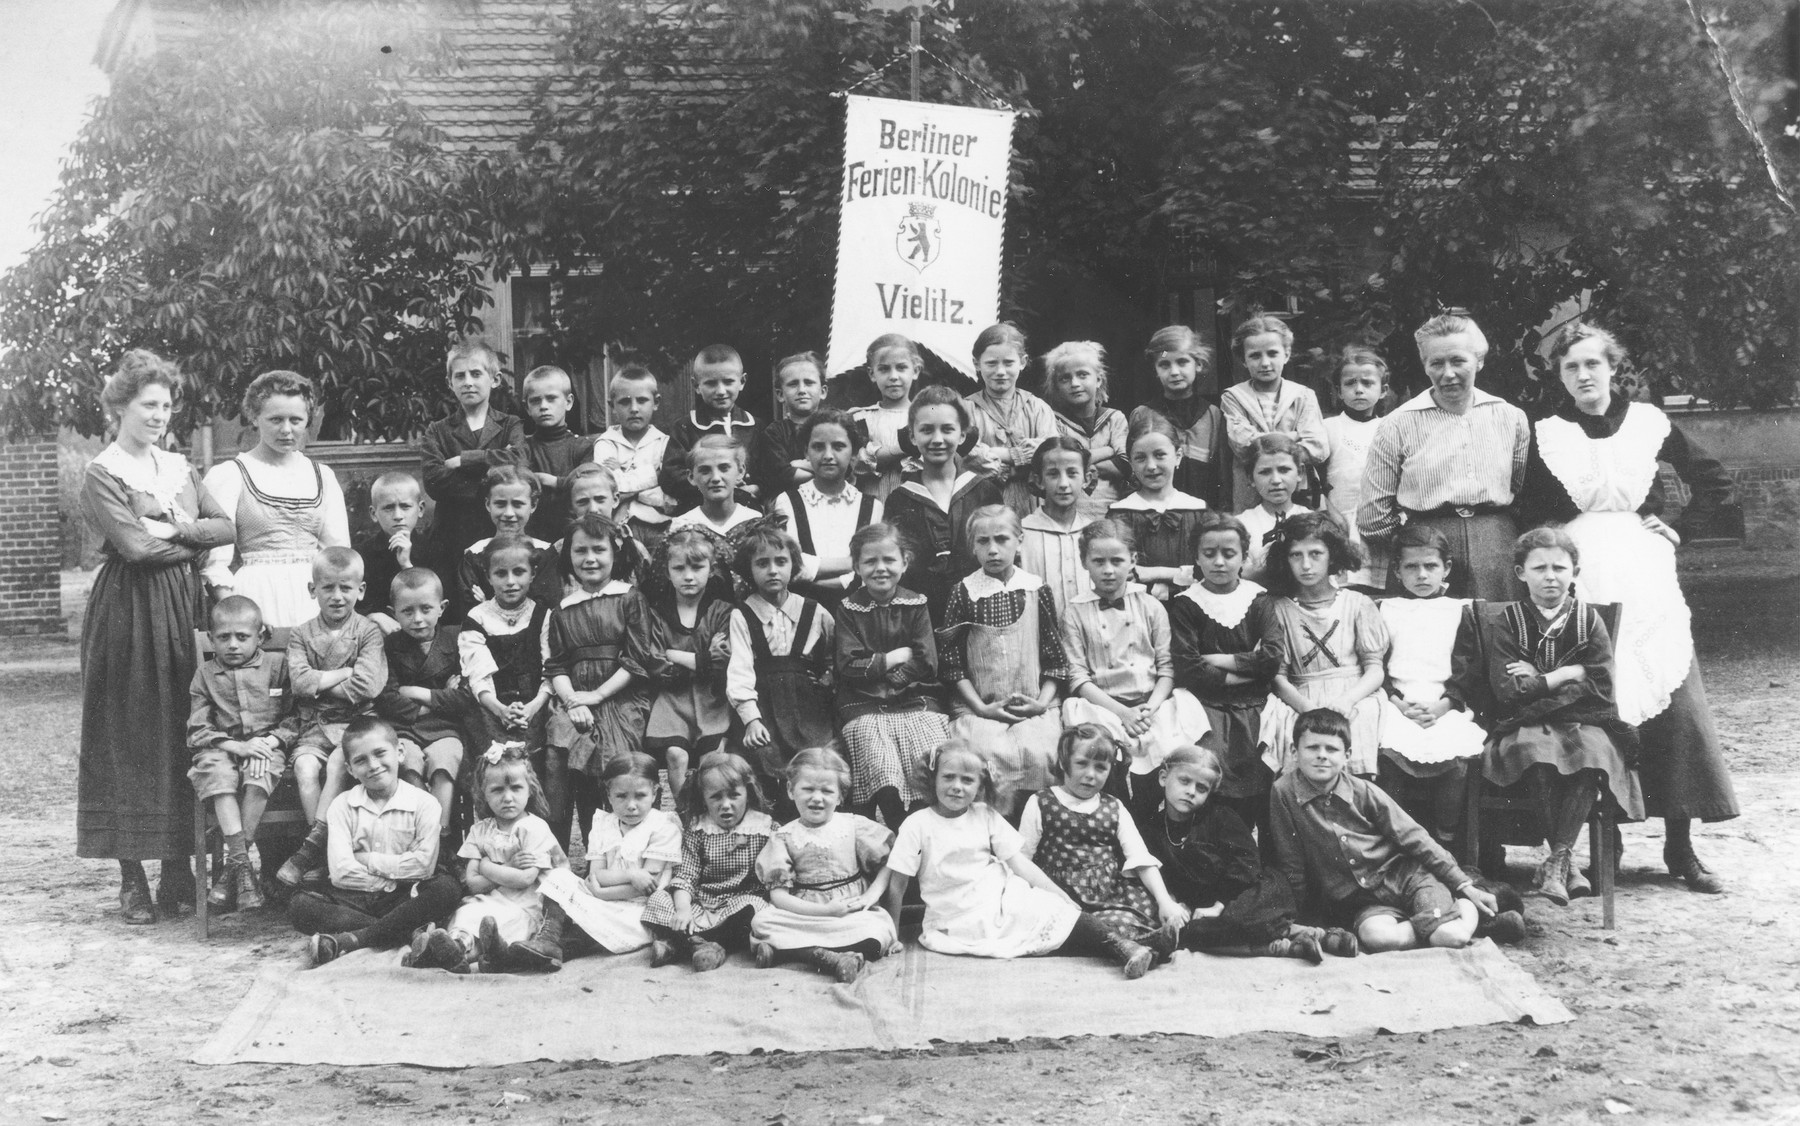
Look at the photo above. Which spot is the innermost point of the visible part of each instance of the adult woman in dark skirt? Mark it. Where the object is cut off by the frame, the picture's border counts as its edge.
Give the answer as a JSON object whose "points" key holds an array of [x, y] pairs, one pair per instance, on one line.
{"points": [[134, 802], [1592, 467]]}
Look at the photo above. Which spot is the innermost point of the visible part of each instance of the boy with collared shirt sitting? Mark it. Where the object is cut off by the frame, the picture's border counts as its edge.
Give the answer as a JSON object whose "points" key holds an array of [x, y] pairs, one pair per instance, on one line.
{"points": [[240, 728], [1373, 867], [383, 856]]}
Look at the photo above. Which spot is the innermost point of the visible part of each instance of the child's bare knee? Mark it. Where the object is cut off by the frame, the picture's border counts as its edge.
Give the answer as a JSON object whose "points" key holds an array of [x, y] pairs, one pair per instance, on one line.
{"points": [[1383, 933]]}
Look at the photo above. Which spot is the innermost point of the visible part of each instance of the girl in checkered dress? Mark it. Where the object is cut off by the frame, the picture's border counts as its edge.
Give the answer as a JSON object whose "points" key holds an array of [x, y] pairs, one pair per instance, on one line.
{"points": [[706, 910], [1088, 843]]}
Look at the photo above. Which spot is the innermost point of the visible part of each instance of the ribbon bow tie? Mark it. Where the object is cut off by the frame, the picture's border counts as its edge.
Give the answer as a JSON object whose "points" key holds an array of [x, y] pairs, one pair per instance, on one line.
{"points": [[1113, 603]]}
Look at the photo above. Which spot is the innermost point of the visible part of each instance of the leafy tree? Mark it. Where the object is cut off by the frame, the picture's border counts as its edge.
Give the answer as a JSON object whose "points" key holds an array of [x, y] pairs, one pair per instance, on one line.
{"points": [[262, 197]]}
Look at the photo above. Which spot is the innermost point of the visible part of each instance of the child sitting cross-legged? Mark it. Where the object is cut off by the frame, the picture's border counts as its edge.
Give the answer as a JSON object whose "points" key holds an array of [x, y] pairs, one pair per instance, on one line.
{"points": [[240, 727], [508, 852], [816, 870], [1121, 672], [383, 853], [1088, 843], [1228, 902], [1372, 867], [706, 911], [632, 850], [983, 897]]}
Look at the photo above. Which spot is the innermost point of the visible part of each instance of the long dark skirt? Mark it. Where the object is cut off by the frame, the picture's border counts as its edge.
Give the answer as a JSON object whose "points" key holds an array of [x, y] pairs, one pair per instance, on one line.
{"points": [[1681, 763], [1260, 913], [133, 800]]}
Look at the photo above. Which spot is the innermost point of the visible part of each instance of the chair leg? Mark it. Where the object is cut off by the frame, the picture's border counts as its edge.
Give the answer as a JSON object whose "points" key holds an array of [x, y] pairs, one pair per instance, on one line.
{"points": [[202, 862], [1470, 841], [1600, 847]]}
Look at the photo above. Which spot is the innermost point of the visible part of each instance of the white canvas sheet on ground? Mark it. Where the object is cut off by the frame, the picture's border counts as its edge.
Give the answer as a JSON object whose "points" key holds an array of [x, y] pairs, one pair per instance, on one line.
{"points": [[366, 1009]]}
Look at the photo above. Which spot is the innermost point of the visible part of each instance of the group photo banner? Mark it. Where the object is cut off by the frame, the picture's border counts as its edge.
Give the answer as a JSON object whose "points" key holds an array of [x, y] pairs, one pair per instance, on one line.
{"points": [[921, 228]]}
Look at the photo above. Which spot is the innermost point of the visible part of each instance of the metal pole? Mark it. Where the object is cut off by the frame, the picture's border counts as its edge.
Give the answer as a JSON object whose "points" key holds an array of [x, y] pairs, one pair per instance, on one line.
{"points": [[914, 88]]}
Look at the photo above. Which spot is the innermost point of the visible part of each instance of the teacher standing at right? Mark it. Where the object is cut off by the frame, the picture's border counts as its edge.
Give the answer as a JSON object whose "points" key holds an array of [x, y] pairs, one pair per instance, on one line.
{"points": [[1452, 457]]}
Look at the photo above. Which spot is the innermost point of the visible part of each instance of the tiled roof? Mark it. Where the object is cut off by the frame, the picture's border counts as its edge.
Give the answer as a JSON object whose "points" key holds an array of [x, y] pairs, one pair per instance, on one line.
{"points": [[502, 50]]}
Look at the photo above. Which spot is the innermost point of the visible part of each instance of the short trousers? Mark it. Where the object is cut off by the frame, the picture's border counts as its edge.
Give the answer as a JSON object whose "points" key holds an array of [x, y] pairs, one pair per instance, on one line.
{"points": [[318, 741], [657, 747], [215, 773], [1407, 891], [444, 755]]}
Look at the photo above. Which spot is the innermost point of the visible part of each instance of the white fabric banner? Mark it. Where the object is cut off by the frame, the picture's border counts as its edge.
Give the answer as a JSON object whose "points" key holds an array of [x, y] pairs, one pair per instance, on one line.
{"points": [[921, 227]]}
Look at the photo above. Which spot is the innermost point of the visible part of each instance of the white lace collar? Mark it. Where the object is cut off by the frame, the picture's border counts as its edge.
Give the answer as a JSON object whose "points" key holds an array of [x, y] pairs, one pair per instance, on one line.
{"points": [[983, 585], [163, 477], [1226, 609], [1177, 501]]}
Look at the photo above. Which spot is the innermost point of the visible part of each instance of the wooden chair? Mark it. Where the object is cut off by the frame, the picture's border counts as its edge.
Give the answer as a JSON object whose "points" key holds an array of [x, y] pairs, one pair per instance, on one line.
{"points": [[284, 815], [1481, 796]]}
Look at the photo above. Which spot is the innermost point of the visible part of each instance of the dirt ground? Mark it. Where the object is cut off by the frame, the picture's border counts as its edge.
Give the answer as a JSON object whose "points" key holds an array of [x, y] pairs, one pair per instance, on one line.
{"points": [[1689, 1010]]}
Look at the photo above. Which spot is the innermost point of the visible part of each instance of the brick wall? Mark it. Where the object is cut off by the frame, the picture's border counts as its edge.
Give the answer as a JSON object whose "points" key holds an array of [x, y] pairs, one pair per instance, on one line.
{"points": [[31, 546], [1770, 497]]}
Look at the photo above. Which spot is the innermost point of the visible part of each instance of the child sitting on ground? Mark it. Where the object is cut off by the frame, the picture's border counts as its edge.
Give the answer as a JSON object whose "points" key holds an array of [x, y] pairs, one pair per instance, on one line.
{"points": [[632, 850], [1372, 867], [816, 869], [1227, 901], [240, 728], [1002, 659], [1088, 843], [508, 852], [552, 451], [1540, 674], [383, 855], [395, 504], [1121, 668], [983, 896], [708, 908], [424, 698], [337, 666]]}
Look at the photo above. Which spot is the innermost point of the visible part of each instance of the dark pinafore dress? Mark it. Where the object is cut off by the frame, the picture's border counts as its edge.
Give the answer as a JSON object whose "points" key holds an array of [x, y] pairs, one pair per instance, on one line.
{"points": [[825, 594], [1081, 852], [791, 693], [519, 673]]}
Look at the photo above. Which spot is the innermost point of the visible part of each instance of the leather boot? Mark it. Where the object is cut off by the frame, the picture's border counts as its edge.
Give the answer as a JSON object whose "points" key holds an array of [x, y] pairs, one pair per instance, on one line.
{"points": [[542, 952], [249, 888], [843, 966], [135, 905], [1133, 958], [1550, 883], [222, 896]]}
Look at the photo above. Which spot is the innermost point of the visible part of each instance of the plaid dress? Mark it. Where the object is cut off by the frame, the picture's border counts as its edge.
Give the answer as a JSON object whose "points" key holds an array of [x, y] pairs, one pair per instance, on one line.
{"points": [[718, 870]]}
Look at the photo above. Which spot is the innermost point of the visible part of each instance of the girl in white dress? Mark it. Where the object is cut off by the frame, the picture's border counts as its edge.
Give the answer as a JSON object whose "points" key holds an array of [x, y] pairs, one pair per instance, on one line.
{"points": [[1359, 380], [285, 506], [632, 851], [982, 896], [508, 851], [820, 907], [1426, 739]]}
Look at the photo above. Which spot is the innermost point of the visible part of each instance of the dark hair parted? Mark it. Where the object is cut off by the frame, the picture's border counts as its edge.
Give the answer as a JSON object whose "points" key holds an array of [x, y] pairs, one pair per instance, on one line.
{"points": [[1273, 445], [1105, 528], [1323, 721], [1181, 340], [735, 770], [1544, 538], [1005, 333], [272, 383], [1423, 535], [1342, 553], [1261, 324], [1218, 520], [826, 416], [595, 526], [510, 475]]}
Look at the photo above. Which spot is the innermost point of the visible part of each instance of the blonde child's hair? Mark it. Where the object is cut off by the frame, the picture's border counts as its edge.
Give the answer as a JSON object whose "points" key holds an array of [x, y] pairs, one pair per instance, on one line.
{"points": [[544, 373], [472, 347], [989, 512], [1196, 755], [499, 757], [1258, 325], [735, 769], [393, 480], [1181, 340], [500, 475], [416, 578], [881, 532], [633, 373], [592, 469], [1067, 355], [331, 562], [925, 772], [714, 442], [1358, 355], [1083, 735], [821, 758]]}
